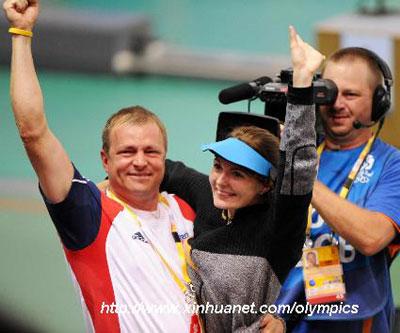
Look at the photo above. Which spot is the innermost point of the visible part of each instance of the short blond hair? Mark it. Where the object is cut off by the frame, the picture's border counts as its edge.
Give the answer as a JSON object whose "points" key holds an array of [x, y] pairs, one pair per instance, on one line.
{"points": [[352, 54], [135, 115]]}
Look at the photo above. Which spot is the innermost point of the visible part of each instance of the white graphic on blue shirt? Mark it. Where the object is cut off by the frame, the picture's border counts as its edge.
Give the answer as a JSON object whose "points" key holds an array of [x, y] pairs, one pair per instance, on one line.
{"points": [[365, 173]]}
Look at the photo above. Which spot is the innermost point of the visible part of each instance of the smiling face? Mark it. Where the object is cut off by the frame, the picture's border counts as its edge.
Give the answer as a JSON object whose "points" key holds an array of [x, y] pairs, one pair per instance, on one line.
{"points": [[234, 187], [135, 163], [353, 103]]}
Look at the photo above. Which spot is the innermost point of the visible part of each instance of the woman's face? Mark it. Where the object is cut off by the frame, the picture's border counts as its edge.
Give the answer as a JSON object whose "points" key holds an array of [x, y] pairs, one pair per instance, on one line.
{"points": [[233, 187]]}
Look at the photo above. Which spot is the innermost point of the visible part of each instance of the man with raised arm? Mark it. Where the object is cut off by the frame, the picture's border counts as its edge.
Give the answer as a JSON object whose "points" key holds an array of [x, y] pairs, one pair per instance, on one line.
{"points": [[124, 247]]}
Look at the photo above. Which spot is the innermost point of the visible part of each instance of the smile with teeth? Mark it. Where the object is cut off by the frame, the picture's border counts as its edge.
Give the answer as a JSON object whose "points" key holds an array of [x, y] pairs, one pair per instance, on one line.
{"points": [[139, 175], [339, 117]]}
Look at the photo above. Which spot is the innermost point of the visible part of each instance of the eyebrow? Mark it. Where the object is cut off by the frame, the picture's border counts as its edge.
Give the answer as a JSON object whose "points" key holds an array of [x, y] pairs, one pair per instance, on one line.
{"points": [[351, 90]]}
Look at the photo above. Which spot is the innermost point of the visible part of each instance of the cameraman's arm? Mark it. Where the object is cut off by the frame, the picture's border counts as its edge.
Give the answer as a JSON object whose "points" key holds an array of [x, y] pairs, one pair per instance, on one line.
{"points": [[367, 230]]}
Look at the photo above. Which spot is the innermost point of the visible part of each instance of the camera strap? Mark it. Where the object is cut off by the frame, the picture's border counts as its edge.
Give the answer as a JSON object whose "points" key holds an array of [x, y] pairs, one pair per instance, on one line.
{"points": [[344, 192], [322, 268]]}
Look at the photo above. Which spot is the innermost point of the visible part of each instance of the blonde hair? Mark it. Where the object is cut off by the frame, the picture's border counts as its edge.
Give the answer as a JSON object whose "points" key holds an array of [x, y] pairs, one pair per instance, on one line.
{"points": [[135, 115], [351, 54]]}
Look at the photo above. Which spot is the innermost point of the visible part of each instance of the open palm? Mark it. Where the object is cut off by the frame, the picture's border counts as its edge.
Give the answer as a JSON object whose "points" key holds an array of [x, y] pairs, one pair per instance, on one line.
{"points": [[304, 56]]}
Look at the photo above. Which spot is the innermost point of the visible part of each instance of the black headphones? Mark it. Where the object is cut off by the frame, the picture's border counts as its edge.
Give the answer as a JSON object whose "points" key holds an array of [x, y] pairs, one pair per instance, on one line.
{"points": [[381, 99]]}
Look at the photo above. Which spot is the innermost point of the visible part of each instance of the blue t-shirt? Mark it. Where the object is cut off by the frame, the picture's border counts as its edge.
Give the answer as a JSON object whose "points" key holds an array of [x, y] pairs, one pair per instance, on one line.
{"points": [[367, 279]]}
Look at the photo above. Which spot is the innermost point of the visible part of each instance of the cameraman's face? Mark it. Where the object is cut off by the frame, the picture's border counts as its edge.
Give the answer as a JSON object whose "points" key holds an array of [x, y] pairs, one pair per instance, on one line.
{"points": [[353, 103]]}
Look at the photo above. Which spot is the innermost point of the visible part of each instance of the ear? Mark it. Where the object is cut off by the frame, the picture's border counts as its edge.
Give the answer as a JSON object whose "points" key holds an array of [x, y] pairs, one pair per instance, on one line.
{"points": [[265, 187], [105, 160]]}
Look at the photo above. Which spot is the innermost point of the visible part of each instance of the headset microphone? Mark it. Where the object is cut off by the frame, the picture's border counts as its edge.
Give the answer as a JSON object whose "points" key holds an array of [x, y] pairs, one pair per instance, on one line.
{"points": [[381, 99]]}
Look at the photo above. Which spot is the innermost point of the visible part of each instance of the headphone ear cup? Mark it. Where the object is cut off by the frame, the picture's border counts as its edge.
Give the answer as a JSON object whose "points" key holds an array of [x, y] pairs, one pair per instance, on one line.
{"points": [[380, 103]]}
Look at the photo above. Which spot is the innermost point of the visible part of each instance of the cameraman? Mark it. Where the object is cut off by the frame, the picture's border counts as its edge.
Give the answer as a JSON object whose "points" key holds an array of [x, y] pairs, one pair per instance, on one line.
{"points": [[362, 220]]}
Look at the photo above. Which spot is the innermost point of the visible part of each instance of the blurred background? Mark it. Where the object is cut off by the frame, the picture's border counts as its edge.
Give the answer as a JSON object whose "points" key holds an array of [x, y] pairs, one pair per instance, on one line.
{"points": [[187, 52]]}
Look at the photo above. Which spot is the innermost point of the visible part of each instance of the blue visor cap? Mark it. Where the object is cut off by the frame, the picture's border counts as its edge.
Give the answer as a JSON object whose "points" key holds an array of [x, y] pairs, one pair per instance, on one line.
{"points": [[236, 151]]}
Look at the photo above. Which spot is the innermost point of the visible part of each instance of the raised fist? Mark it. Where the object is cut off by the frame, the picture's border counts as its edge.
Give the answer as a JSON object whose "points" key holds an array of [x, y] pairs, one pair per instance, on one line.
{"points": [[21, 14]]}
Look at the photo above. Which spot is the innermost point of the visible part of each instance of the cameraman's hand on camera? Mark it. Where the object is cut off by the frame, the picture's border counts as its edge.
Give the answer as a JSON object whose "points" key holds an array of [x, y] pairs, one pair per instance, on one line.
{"points": [[21, 14], [305, 60]]}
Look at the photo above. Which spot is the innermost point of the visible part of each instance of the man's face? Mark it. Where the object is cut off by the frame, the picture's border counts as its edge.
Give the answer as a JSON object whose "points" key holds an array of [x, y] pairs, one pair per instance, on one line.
{"points": [[135, 162], [353, 103]]}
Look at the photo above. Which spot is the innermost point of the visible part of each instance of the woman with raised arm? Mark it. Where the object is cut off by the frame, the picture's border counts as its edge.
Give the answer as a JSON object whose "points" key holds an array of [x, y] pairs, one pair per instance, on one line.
{"points": [[249, 229]]}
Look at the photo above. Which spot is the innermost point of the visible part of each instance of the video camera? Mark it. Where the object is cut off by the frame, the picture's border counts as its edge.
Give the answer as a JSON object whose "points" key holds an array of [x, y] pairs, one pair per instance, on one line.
{"points": [[273, 92]]}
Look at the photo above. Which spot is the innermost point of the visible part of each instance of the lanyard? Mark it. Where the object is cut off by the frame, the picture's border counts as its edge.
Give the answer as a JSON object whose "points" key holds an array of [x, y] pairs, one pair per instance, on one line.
{"points": [[178, 243], [347, 184]]}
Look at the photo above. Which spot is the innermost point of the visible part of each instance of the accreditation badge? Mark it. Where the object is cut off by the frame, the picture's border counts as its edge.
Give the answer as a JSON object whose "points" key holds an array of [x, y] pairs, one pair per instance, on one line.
{"points": [[323, 275]]}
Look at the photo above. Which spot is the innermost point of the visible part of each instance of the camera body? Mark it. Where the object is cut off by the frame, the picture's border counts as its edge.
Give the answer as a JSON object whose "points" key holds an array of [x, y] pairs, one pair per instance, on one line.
{"points": [[273, 94]]}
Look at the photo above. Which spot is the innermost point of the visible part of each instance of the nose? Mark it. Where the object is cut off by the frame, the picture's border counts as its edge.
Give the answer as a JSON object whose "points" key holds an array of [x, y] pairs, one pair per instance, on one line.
{"points": [[339, 103], [139, 160], [222, 179]]}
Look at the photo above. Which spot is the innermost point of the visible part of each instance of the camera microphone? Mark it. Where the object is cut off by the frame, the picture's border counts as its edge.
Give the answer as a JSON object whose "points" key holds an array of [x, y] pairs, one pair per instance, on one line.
{"points": [[358, 125], [243, 91]]}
